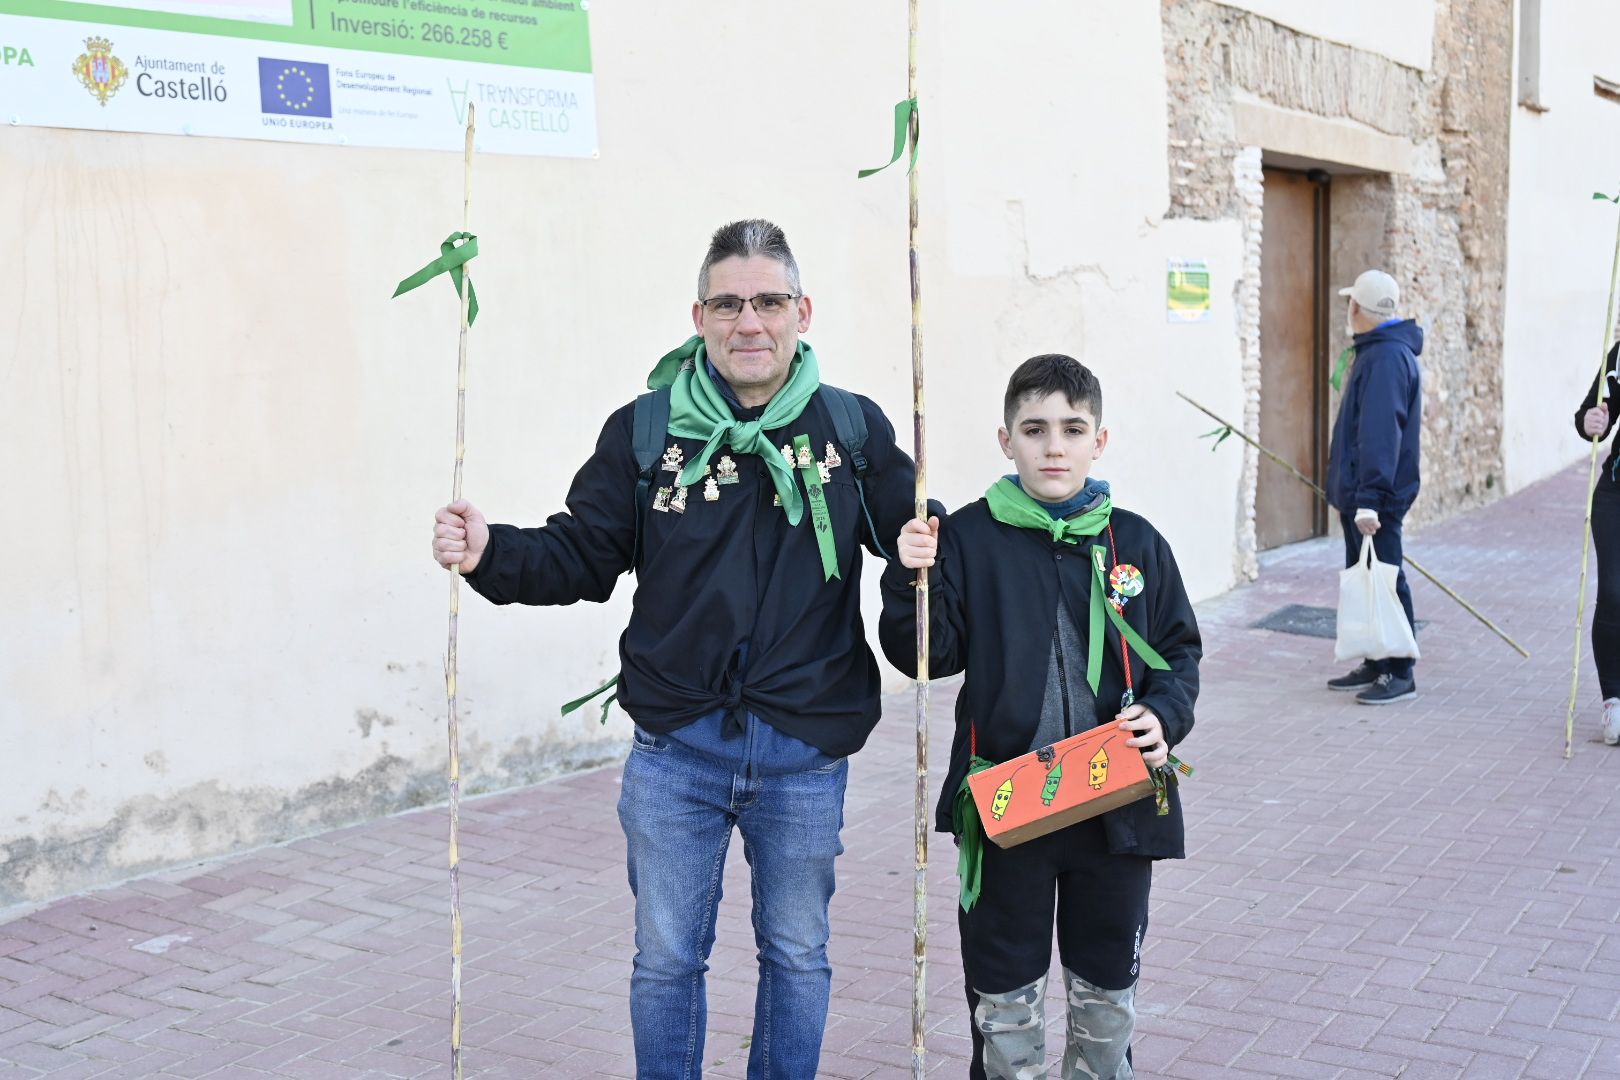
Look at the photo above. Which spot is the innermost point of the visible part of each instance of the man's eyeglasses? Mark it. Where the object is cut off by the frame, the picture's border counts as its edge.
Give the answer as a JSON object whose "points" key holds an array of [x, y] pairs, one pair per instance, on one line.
{"points": [[766, 305]]}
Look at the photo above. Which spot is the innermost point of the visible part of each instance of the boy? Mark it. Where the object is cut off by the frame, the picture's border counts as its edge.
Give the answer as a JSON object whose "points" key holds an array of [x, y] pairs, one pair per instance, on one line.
{"points": [[1011, 587]]}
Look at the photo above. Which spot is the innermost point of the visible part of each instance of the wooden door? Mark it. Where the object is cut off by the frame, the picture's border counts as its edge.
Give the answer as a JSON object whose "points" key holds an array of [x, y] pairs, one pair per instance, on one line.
{"points": [[1293, 375]]}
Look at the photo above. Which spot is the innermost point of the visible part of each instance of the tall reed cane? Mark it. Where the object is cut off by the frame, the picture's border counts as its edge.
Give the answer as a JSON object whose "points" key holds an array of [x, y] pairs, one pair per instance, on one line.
{"points": [[1591, 481], [919, 954], [455, 612], [1227, 428]]}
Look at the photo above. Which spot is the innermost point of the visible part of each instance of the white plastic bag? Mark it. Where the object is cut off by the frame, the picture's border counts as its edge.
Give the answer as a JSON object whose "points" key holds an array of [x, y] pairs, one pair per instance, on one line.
{"points": [[1371, 624]]}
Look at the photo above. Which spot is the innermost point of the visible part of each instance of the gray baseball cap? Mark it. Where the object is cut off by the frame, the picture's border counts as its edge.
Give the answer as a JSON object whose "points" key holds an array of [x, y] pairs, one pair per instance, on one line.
{"points": [[1375, 291]]}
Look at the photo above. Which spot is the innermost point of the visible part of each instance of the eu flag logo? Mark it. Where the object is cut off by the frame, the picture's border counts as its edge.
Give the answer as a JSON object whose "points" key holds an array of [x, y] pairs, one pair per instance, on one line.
{"points": [[294, 87]]}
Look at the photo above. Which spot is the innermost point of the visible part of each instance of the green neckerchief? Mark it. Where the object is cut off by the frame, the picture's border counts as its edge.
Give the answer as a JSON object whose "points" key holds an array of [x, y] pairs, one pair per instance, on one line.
{"points": [[698, 410], [969, 836], [1012, 505]]}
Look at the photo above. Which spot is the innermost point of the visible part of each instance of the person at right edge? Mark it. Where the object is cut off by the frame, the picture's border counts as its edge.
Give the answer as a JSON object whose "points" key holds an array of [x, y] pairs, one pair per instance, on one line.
{"points": [[1595, 420], [1372, 475]]}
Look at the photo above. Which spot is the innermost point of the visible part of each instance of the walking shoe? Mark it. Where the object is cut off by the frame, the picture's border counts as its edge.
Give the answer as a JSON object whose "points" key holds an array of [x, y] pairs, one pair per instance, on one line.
{"points": [[1361, 678], [1387, 691], [1611, 721]]}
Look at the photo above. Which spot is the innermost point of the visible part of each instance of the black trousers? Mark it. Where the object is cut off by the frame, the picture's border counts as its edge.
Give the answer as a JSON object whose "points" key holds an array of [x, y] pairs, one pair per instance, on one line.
{"points": [[1098, 902], [1606, 620], [1387, 546]]}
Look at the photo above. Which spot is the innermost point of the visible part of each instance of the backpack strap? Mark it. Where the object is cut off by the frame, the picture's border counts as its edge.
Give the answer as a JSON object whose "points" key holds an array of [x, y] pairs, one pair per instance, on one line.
{"points": [[849, 423], [647, 430]]}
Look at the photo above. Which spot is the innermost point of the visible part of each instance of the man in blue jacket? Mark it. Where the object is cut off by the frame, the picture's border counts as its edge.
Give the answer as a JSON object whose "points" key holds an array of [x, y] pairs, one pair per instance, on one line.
{"points": [[1373, 458]]}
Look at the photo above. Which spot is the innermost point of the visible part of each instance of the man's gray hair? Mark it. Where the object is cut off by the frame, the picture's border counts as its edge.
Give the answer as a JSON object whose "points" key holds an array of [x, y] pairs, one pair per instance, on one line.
{"points": [[745, 239]]}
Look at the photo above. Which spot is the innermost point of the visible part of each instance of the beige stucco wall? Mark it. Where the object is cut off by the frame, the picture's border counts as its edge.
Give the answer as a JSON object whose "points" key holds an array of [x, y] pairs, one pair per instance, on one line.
{"points": [[222, 626], [1560, 241]]}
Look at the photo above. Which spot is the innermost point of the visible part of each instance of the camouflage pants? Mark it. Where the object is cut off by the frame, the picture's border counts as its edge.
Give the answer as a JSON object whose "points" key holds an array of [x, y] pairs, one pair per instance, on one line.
{"points": [[1100, 1022]]}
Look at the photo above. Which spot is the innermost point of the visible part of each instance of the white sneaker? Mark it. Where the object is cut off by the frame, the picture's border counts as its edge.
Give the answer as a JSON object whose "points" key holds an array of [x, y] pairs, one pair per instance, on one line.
{"points": [[1611, 721]]}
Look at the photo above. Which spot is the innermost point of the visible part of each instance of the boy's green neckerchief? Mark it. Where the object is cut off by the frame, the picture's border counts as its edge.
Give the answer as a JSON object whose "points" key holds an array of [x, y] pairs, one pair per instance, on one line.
{"points": [[1012, 505]]}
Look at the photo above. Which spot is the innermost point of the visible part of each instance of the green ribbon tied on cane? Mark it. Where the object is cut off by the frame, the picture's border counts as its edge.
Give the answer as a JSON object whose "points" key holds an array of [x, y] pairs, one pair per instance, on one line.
{"points": [[1337, 378], [1606, 198], [1220, 435], [452, 256], [970, 837], [903, 112]]}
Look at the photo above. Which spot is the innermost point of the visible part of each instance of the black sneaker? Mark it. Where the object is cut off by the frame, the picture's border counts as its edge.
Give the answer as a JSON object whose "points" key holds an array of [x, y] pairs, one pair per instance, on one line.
{"points": [[1359, 679], [1387, 691]]}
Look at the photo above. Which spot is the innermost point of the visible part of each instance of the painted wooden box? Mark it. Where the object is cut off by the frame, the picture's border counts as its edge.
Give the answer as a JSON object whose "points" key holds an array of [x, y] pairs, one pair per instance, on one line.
{"points": [[1072, 780]]}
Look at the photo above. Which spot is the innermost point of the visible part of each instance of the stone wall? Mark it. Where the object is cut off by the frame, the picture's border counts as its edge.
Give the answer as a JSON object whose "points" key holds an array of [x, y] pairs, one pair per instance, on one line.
{"points": [[1443, 221]]}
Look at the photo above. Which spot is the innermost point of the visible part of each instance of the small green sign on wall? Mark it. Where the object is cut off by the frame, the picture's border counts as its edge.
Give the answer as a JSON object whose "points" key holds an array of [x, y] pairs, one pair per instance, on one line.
{"points": [[1187, 291]]}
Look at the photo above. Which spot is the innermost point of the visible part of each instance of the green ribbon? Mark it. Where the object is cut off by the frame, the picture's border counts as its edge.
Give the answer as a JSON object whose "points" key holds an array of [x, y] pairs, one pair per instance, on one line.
{"points": [[903, 112], [1606, 198], [1337, 378], [451, 257], [698, 410], [607, 702], [1099, 606], [820, 520], [1220, 435], [970, 836]]}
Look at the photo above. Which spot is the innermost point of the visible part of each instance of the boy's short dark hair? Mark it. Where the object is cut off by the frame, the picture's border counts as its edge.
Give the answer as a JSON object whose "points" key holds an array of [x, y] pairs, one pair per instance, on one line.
{"points": [[1053, 373]]}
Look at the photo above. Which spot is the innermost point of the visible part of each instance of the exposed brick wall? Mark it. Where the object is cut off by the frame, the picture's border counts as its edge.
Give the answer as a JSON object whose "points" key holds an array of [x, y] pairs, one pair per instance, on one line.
{"points": [[1444, 223]]}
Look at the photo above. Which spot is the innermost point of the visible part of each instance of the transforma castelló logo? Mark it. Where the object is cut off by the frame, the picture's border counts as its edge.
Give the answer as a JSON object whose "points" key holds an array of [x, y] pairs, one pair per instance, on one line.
{"points": [[99, 70]]}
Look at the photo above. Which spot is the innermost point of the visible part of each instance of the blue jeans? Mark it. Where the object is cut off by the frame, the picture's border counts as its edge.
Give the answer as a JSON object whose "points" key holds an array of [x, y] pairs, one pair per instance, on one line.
{"points": [[677, 806]]}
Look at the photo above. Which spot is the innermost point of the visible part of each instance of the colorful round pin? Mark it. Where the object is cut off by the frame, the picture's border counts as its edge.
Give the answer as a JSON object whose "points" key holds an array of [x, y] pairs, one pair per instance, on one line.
{"points": [[1126, 579]]}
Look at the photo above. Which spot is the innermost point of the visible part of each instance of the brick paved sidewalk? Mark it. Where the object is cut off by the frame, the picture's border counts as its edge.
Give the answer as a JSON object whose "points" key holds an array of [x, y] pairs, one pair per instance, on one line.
{"points": [[1422, 891]]}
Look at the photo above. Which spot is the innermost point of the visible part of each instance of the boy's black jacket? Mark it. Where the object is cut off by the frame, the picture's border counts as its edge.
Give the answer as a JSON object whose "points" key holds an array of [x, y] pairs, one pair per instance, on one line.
{"points": [[993, 594], [721, 576]]}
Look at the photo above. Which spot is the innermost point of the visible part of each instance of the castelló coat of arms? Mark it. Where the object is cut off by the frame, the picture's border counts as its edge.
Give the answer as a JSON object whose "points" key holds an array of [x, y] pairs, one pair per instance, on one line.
{"points": [[99, 70]]}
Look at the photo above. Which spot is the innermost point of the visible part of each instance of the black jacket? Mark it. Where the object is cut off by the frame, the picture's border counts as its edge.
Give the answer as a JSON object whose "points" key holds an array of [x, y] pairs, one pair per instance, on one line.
{"points": [[1611, 397], [724, 580], [1373, 456], [992, 612]]}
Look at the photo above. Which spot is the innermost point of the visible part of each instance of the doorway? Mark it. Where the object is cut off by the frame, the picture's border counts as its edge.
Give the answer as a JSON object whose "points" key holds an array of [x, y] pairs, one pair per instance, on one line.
{"points": [[1294, 246]]}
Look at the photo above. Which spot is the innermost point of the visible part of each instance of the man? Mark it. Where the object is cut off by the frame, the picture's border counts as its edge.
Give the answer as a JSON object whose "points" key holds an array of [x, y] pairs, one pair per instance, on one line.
{"points": [[745, 665], [1373, 458]]}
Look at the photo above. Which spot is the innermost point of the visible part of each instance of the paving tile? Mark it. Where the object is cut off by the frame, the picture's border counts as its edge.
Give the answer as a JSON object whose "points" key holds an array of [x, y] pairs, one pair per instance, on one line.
{"points": [[1427, 891]]}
